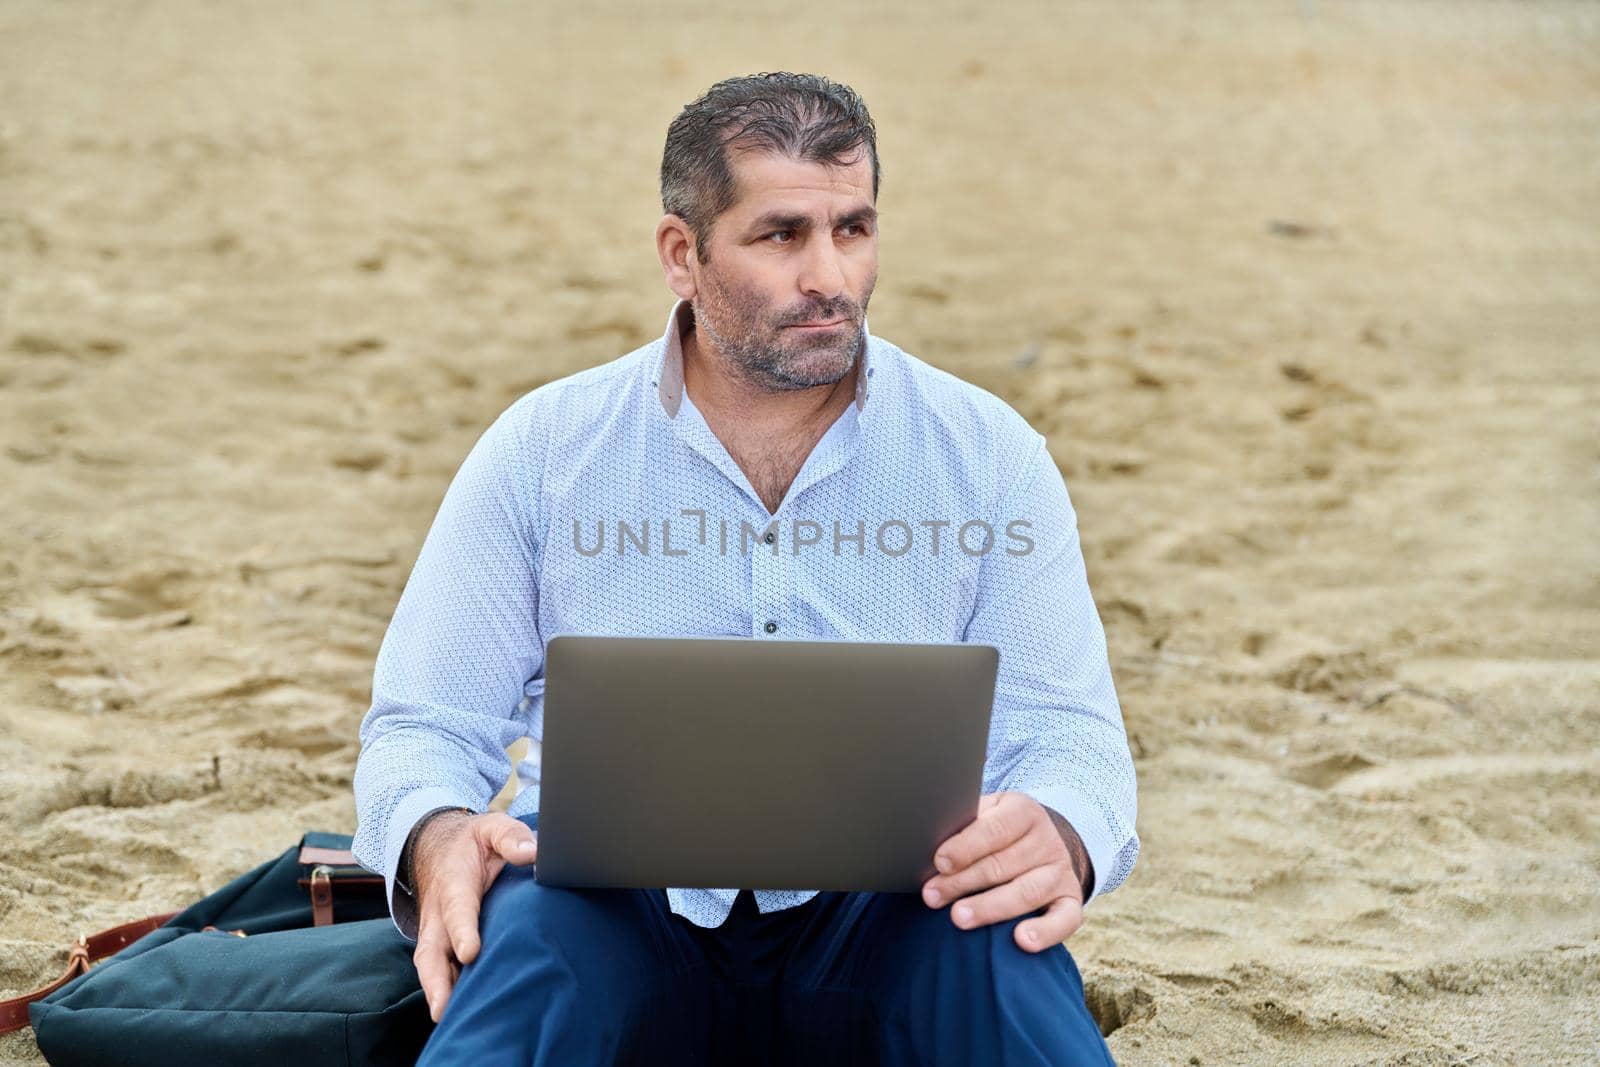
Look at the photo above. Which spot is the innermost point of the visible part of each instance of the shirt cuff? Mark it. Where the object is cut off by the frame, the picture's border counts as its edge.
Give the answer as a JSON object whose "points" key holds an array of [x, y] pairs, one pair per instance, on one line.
{"points": [[412, 807], [1093, 830]]}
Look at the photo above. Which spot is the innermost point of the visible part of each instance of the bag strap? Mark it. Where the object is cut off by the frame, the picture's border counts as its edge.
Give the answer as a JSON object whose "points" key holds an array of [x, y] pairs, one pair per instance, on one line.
{"points": [[321, 886], [93, 947], [14, 1012]]}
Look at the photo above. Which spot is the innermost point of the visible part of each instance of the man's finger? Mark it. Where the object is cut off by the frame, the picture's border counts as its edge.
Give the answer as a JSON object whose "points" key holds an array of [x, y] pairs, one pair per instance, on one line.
{"points": [[460, 914], [1060, 921], [434, 972], [1023, 895], [517, 843], [990, 832], [997, 868]]}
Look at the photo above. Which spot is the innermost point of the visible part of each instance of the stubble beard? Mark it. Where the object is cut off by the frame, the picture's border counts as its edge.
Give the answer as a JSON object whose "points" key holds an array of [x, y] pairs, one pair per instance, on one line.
{"points": [[745, 334]]}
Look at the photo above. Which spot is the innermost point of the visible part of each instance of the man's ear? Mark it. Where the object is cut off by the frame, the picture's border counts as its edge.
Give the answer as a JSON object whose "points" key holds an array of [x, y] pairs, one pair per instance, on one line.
{"points": [[675, 246]]}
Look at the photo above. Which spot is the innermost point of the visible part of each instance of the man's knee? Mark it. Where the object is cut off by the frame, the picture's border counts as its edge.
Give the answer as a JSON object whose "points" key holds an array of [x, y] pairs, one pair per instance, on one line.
{"points": [[565, 974], [599, 934], [939, 986]]}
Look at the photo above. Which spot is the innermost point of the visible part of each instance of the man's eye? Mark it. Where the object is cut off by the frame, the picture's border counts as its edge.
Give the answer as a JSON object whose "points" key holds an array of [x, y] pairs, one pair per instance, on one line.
{"points": [[781, 237]]}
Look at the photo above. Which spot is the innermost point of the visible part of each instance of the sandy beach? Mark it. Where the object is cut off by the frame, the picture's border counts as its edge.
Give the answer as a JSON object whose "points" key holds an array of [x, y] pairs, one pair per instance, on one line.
{"points": [[1305, 296]]}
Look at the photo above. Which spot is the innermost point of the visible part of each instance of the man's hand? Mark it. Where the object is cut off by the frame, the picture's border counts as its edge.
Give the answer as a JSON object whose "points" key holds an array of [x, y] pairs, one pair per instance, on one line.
{"points": [[1012, 860], [457, 857]]}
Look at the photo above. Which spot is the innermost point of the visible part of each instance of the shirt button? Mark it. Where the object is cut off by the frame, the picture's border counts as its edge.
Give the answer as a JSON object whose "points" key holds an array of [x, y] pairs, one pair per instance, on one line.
{"points": [[771, 537], [770, 627]]}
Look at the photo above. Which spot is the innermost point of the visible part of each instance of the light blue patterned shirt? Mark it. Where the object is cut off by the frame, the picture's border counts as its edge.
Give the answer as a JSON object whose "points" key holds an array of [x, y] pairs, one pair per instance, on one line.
{"points": [[603, 503]]}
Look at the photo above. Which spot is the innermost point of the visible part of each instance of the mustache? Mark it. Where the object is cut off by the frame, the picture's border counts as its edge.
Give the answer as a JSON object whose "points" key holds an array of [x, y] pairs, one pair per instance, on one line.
{"points": [[823, 311]]}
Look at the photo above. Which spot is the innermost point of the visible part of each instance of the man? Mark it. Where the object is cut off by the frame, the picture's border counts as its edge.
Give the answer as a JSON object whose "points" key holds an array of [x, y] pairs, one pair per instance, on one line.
{"points": [[768, 469]]}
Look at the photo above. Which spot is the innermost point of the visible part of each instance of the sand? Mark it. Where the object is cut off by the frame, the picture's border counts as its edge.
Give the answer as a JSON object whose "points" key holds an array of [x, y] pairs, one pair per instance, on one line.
{"points": [[1305, 296]]}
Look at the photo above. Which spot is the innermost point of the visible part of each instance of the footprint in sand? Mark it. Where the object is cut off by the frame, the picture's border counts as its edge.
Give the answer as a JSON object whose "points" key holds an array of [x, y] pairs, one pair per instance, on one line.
{"points": [[1117, 1002], [153, 591]]}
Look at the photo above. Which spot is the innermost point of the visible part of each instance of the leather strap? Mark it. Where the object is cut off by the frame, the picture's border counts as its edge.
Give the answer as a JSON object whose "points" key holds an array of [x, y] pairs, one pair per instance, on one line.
{"points": [[93, 947], [14, 1012], [321, 896]]}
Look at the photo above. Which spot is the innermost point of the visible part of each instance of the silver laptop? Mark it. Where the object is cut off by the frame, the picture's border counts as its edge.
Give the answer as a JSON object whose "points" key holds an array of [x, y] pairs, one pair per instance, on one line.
{"points": [[758, 764]]}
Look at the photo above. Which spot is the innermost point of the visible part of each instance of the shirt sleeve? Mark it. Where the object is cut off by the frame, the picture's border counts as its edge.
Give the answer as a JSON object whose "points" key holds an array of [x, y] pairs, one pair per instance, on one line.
{"points": [[461, 645], [1056, 732]]}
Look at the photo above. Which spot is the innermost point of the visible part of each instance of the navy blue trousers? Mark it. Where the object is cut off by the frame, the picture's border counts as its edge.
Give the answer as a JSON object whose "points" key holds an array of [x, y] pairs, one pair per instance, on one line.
{"points": [[610, 976]]}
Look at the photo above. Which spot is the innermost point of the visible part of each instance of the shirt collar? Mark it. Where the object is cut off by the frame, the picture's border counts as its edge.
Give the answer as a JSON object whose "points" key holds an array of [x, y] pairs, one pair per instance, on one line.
{"points": [[669, 369]]}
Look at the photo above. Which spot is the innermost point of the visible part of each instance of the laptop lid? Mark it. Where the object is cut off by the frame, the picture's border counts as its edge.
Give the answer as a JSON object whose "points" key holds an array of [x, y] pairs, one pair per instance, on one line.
{"points": [[758, 764]]}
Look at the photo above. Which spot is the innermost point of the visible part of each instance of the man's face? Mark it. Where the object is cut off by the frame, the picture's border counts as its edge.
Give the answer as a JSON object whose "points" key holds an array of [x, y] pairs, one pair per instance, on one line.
{"points": [[791, 268]]}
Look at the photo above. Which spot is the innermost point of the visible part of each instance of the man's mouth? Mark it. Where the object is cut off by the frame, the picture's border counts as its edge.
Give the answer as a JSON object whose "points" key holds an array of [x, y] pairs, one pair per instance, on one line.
{"points": [[817, 325]]}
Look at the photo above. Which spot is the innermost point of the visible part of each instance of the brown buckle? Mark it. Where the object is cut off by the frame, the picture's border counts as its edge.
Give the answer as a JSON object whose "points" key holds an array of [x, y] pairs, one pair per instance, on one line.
{"points": [[321, 895]]}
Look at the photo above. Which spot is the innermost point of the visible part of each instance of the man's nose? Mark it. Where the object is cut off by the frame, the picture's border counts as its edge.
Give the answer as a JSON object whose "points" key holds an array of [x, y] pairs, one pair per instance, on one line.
{"points": [[822, 273]]}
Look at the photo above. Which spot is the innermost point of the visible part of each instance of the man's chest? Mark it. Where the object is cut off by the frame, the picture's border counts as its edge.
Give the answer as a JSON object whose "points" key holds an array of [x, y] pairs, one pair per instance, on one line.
{"points": [[868, 554], [770, 462], [770, 471]]}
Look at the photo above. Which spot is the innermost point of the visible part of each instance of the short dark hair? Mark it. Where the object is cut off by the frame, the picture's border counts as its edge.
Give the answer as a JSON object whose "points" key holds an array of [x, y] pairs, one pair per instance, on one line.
{"points": [[804, 116]]}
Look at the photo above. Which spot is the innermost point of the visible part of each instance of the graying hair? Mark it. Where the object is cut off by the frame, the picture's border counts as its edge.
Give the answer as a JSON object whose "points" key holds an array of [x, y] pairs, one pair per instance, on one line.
{"points": [[803, 116]]}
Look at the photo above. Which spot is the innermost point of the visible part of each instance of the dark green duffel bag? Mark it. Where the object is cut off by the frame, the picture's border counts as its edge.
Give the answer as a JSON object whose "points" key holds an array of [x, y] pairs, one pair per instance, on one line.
{"points": [[293, 963]]}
